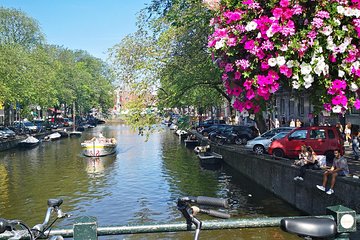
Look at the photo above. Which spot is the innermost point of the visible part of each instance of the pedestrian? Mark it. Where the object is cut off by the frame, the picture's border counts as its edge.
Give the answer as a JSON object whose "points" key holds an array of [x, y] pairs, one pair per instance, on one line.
{"points": [[309, 161], [347, 132], [276, 123], [298, 123], [339, 168], [292, 123], [355, 145]]}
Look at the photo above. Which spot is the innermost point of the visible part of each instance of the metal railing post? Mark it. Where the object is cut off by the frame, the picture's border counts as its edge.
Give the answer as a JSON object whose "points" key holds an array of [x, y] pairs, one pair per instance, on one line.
{"points": [[85, 228]]}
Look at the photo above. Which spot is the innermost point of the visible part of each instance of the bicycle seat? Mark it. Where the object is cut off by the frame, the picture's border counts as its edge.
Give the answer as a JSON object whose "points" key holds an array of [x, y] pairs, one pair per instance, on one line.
{"points": [[54, 202], [310, 226]]}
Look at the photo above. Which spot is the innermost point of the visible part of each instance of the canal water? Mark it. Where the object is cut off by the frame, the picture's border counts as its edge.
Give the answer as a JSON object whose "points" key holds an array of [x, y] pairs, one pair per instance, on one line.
{"points": [[138, 185]]}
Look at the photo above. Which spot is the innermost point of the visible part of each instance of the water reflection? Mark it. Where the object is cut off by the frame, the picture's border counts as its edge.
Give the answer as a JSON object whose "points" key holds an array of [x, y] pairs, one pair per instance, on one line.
{"points": [[140, 184], [96, 165]]}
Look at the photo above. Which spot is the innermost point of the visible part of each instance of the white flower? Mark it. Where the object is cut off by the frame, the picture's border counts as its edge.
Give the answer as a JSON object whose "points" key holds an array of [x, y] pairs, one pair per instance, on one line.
{"points": [[305, 68], [327, 30], [258, 35], [295, 84], [318, 70], [344, 28], [308, 78], [356, 13], [269, 32], [348, 12], [272, 62], [296, 77], [353, 87], [337, 22], [341, 73], [220, 44], [251, 26], [307, 85], [290, 63], [326, 69], [356, 65], [280, 60], [342, 48], [340, 9], [284, 48], [336, 109]]}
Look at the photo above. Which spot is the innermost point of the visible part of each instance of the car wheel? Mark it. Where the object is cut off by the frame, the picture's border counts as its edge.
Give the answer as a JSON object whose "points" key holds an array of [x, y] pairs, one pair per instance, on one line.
{"points": [[241, 140], [278, 152], [259, 149]]}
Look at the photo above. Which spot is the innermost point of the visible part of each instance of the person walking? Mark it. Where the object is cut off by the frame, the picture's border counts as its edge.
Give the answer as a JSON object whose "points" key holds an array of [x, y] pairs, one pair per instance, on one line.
{"points": [[292, 123], [355, 146], [339, 168], [347, 132], [298, 123]]}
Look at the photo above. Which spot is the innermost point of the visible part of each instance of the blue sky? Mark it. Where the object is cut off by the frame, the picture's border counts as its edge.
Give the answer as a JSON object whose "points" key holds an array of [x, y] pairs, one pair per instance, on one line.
{"points": [[91, 25]]}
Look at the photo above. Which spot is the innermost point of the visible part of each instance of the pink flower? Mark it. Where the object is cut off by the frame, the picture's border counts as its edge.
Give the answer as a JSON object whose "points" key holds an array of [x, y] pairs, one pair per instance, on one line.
{"points": [[273, 75], [250, 94], [297, 9], [229, 67], [243, 64], [256, 108], [236, 91], [339, 100], [249, 44], [323, 14], [264, 65], [267, 45], [247, 84], [327, 107], [339, 84], [286, 71], [332, 58], [238, 105], [357, 104], [224, 77], [237, 75], [232, 41], [248, 105], [288, 29], [317, 22], [284, 3]]}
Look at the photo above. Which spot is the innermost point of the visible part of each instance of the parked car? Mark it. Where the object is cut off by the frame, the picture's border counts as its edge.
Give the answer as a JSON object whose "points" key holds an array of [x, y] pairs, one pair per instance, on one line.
{"points": [[5, 132], [323, 139], [261, 144], [215, 127], [238, 134], [208, 123], [274, 131], [67, 122], [24, 127]]}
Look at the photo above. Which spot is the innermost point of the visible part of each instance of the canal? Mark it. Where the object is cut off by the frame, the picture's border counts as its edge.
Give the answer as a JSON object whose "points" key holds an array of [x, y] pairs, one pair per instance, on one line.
{"points": [[138, 185]]}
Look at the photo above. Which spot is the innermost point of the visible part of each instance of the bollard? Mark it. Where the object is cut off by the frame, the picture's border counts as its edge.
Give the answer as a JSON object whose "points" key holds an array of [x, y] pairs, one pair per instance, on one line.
{"points": [[345, 220], [85, 228]]}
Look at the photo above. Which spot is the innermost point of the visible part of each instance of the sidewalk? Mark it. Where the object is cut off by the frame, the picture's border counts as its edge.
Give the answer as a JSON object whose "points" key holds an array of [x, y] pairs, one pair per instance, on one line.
{"points": [[354, 166]]}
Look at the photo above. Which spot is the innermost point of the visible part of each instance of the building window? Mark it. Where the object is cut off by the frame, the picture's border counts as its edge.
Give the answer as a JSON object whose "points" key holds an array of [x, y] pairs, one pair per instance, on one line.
{"points": [[282, 106], [291, 107], [301, 106], [354, 111]]}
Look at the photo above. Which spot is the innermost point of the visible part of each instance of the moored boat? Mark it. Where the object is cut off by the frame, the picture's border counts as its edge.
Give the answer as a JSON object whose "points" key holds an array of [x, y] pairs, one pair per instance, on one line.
{"points": [[29, 142], [52, 137], [210, 158], [97, 147]]}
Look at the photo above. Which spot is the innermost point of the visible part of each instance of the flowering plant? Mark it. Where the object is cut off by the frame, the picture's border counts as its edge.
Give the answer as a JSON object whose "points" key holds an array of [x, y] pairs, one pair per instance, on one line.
{"points": [[310, 45]]}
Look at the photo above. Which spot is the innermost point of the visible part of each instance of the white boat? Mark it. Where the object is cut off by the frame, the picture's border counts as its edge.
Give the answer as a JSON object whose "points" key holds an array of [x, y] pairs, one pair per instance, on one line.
{"points": [[30, 141], [210, 158], [202, 149], [52, 137], [97, 147]]}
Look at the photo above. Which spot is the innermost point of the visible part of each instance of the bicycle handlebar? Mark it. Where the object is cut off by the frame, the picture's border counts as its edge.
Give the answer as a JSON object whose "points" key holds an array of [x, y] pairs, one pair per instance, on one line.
{"points": [[8, 226], [210, 201]]}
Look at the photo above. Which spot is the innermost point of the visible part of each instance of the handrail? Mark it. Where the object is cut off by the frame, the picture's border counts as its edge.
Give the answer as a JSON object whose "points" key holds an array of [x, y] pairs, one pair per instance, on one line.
{"points": [[179, 227]]}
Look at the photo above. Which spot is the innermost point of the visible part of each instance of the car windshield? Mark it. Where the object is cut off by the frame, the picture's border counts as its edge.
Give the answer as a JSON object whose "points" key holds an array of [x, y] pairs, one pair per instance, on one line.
{"points": [[28, 124], [280, 135]]}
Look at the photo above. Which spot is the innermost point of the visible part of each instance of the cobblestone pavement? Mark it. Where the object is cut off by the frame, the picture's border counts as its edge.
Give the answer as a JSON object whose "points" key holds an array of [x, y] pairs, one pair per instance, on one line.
{"points": [[354, 166]]}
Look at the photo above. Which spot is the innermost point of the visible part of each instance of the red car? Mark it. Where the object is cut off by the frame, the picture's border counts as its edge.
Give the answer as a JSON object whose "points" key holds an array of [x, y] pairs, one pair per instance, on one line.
{"points": [[323, 139]]}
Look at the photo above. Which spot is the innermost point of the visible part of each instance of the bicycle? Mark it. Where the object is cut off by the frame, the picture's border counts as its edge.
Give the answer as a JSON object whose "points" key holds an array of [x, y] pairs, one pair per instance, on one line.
{"points": [[310, 227], [9, 228], [189, 211]]}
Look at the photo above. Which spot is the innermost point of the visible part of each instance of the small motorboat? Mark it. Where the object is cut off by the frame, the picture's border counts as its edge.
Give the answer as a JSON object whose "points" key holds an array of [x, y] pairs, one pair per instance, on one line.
{"points": [[75, 133], [202, 149], [99, 146], [191, 140], [210, 158], [52, 136], [29, 142]]}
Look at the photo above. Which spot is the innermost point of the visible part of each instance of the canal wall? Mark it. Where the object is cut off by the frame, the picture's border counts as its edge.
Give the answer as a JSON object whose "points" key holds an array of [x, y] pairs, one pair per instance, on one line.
{"points": [[277, 176]]}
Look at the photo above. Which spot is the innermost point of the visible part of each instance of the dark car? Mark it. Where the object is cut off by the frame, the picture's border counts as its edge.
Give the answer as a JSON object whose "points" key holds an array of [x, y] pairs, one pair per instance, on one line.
{"points": [[6, 132], [237, 134], [208, 123], [215, 127]]}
